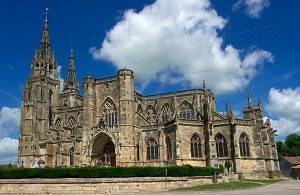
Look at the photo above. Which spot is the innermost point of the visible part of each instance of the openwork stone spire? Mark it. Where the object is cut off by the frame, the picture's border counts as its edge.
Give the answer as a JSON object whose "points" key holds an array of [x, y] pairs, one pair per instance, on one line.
{"points": [[43, 62], [70, 82], [45, 42]]}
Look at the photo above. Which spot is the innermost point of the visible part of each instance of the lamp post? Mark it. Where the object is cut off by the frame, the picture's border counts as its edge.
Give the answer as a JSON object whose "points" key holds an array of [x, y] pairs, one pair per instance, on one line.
{"points": [[166, 174]]}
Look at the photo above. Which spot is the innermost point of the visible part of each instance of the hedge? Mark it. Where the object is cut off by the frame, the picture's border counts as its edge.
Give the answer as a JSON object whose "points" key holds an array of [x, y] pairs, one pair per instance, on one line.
{"points": [[108, 172]]}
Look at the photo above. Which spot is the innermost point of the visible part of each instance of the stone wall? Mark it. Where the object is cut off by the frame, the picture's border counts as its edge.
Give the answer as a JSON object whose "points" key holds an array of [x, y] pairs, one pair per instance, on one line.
{"points": [[97, 186]]}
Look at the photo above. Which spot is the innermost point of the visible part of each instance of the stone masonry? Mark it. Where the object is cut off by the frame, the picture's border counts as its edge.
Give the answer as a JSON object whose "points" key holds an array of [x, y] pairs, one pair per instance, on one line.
{"points": [[111, 124]]}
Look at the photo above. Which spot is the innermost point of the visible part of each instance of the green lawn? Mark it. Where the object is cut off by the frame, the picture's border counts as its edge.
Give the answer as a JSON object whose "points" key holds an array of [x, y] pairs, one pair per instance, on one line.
{"points": [[265, 181], [235, 185]]}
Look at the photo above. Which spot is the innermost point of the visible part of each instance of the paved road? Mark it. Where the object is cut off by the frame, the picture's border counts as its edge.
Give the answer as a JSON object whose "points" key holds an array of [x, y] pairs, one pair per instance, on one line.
{"points": [[288, 187]]}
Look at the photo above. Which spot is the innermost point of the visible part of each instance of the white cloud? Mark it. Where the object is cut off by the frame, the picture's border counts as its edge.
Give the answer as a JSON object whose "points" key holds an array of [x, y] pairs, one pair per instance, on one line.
{"points": [[9, 120], [61, 80], [8, 150], [285, 126], [254, 8], [285, 104], [177, 42]]}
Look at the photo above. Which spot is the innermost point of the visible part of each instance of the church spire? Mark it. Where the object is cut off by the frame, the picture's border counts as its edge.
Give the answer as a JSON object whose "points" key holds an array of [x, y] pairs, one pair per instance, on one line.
{"points": [[43, 62], [70, 81], [45, 42]]}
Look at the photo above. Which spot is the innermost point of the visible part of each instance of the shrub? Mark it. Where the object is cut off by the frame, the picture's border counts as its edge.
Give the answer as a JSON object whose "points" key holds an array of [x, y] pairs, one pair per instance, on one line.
{"points": [[108, 172]]}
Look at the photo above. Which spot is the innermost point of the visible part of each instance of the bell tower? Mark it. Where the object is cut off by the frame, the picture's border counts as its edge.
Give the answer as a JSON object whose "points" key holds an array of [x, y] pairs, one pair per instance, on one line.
{"points": [[40, 99]]}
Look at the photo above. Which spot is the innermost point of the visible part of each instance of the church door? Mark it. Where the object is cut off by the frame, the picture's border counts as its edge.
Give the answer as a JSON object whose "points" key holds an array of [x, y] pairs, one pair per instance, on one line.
{"points": [[103, 153]]}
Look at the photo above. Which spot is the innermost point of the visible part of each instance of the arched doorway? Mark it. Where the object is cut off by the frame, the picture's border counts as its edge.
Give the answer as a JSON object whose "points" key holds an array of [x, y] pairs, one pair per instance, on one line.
{"points": [[103, 152]]}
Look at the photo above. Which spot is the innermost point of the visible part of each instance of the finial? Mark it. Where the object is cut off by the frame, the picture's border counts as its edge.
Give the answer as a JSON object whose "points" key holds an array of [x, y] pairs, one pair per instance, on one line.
{"points": [[249, 98], [71, 51], [259, 102], [268, 120], [204, 85], [227, 111], [89, 75], [46, 14]]}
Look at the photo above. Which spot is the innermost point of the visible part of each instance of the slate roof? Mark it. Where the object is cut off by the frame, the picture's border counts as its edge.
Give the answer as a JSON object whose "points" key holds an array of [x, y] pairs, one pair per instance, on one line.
{"points": [[294, 160]]}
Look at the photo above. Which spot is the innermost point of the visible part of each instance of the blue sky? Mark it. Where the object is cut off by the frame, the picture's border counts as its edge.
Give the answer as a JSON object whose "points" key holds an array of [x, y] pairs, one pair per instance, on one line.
{"points": [[170, 45]]}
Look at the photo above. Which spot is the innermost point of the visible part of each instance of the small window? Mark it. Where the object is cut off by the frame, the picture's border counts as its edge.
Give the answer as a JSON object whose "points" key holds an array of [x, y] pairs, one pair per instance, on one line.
{"points": [[72, 122], [57, 124]]}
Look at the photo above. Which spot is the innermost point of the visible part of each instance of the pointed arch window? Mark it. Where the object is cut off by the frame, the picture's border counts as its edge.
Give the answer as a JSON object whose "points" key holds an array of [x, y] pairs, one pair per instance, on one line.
{"points": [[196, 149], [244, 145], [151, 114], [57, 124], [186, 111], [152, 149], [169, 148], [221, 145], [166, 113], [71, 122], [109, 112]]}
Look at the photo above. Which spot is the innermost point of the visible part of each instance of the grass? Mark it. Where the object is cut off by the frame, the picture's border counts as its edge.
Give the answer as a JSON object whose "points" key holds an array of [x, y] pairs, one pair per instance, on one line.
{"points": [[267, 181], [235, 185]]}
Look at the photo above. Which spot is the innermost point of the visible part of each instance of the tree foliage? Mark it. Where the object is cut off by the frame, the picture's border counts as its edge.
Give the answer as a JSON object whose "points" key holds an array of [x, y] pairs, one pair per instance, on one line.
{"points": [[291, 146]]}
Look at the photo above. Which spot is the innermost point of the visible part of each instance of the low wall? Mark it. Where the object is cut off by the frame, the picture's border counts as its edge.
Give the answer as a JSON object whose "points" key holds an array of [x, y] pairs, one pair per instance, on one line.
{"points": [[97, 186]]}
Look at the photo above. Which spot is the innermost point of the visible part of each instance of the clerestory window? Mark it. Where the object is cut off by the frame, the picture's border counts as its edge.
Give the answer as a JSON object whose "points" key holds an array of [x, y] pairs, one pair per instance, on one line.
{"points": [[186, 111]]}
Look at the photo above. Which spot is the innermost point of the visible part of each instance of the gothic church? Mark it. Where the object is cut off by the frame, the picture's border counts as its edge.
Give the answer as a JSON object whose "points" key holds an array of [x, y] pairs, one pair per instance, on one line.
{"points": [[111, 124]]}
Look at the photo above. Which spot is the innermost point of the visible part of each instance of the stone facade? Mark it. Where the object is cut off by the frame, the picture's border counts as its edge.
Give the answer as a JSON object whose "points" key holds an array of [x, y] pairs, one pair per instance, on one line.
{"points": [[113, 125]]}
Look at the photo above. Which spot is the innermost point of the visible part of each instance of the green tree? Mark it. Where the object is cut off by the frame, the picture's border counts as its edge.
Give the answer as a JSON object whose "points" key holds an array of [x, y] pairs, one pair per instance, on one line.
{"points": [[291, 146], [292, 141], [295, 151], [9, 166]]}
